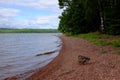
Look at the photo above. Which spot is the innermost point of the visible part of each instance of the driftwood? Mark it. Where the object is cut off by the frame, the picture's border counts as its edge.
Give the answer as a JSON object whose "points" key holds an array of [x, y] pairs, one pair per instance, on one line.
{"points": [[59, 45], [83, 59], [46, 53]]}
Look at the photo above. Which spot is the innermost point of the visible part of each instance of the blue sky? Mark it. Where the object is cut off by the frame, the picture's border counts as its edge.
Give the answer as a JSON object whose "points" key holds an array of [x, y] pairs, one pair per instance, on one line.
{"points": [[29, 14]]}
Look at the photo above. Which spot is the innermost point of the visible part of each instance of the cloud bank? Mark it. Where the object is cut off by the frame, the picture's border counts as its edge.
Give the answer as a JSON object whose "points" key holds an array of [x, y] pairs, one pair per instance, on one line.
{"points": [[37, 4], [9, 14]]}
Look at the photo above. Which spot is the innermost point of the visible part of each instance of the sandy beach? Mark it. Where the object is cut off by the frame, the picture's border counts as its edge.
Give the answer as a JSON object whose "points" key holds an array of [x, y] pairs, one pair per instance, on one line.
{"points": [[66, 67]]}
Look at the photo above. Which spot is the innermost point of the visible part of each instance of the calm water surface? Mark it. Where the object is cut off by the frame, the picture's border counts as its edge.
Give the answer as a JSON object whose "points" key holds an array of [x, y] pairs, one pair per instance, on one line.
{"points": [[18, 52]]}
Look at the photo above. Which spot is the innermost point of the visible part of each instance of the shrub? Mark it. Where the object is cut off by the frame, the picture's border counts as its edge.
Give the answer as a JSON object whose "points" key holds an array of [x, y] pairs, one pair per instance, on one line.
{"points": [[113, 29]]}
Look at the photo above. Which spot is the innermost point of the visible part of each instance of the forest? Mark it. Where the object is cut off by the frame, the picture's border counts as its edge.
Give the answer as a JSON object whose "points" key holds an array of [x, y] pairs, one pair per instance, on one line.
{"points": [[84, 16]]}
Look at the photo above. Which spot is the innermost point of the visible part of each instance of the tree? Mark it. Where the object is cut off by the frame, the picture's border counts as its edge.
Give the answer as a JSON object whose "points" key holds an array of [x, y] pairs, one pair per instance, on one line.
{"points": [[112, 17], [92, 14], [83, 16]]}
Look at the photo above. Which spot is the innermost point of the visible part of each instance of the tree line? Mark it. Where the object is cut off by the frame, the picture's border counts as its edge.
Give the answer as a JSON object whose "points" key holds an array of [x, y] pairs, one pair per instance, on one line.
{"points": [[27, 30], [83, 16]]}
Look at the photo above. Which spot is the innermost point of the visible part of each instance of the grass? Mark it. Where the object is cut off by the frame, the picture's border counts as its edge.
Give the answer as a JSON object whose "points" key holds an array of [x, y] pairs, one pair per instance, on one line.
{"points": [[118, 53], [115, 43], [101, 39]]}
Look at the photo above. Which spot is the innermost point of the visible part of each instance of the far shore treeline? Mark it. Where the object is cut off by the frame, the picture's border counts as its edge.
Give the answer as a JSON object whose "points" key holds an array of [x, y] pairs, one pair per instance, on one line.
{"points": [[84, 16], [7, 30]]}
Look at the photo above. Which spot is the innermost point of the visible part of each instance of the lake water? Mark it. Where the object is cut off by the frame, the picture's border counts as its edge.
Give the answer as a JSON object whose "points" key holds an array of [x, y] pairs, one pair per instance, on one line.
{"points": [[18, 52]]}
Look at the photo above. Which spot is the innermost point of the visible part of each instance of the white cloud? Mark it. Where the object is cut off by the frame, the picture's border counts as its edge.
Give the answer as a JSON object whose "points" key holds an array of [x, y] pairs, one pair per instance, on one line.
{"points": [[38, 4], [46, 19], [8, 16], [8, 12], [49, 21], [42, 20]]}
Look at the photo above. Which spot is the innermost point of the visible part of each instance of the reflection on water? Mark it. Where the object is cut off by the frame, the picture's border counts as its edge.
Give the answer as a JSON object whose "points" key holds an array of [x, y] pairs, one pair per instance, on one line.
{"points": [[18, 52]]}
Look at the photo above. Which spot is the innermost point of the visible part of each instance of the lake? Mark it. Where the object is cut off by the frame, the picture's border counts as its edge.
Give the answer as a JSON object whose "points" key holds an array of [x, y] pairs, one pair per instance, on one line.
{"points": [[18, 52]]}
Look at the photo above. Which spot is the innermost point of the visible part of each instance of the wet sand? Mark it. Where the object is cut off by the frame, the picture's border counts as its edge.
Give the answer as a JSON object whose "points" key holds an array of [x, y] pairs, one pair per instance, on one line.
{"points": [[66, 67]]}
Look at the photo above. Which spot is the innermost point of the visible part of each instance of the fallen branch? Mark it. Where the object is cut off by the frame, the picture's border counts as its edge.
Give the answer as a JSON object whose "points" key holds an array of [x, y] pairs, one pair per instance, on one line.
{"points": [[46, 53]]}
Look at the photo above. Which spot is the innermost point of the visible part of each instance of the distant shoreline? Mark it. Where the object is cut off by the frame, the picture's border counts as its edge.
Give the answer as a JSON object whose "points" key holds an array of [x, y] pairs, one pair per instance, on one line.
{"points": [[7, 30]]}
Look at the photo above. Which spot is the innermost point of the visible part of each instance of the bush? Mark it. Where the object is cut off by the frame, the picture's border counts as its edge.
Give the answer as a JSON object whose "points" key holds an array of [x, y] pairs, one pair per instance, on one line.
{"points": [[116, 43], [113, 29]]}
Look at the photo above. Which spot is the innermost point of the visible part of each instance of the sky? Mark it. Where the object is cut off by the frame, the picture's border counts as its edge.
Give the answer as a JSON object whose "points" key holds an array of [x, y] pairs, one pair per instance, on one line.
{"points": [[41, 14]]}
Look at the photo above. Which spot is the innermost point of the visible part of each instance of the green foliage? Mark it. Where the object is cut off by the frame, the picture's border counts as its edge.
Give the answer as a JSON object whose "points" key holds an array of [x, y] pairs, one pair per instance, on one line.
{"points": [[74, 19], [94, 38], [118, 53], [112, 17], [99, 39], [83, 16], [69, 34], [113, 29], [28, 31], [115, 43]]}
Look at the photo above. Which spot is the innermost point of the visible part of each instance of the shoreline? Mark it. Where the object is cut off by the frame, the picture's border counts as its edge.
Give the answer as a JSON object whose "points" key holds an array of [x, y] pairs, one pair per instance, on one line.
{"points": [[65, 66]]}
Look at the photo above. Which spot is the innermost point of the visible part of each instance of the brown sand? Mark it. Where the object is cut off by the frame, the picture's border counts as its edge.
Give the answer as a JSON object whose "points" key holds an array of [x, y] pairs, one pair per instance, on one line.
{"points": [[65, 66]]}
